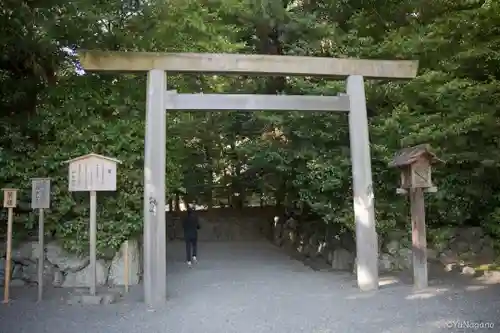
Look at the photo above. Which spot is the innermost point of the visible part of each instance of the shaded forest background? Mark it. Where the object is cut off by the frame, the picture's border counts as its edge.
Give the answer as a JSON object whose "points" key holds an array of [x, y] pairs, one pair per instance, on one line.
{"points": [[50, 113]]}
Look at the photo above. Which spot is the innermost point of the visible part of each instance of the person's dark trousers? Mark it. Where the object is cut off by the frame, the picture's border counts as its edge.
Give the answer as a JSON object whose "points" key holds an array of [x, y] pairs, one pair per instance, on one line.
{"points": [[191, 248]]}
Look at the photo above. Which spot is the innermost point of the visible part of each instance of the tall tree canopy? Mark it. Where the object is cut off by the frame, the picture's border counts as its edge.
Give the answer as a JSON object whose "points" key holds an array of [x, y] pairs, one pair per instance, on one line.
{"points": [[50, 112]]}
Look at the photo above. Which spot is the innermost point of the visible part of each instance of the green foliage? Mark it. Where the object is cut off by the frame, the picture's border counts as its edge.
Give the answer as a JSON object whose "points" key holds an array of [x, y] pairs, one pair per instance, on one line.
{"points": [[77, 115], [50, 114]]}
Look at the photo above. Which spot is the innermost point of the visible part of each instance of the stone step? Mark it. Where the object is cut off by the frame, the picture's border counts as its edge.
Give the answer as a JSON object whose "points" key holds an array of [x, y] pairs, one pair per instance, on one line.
{"points": [[82, 296]]}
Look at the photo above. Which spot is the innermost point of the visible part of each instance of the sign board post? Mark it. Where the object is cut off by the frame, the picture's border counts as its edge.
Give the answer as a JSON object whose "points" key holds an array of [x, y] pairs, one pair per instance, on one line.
{"points": [[92, 173], [40, 199], [93, 240], [9, 202]]}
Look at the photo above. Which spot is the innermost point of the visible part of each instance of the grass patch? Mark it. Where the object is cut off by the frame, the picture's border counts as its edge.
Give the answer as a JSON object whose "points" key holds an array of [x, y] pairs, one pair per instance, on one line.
{"points": [[487, 267]]}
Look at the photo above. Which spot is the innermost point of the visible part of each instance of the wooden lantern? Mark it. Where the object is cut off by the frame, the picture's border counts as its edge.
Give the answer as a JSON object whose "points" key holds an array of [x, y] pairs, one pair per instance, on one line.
{"points": [[415, 164]]}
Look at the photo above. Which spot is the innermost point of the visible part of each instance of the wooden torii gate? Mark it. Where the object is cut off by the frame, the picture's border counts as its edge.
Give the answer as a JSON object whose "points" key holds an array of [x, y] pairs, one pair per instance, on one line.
{"points": [[159, 100]]}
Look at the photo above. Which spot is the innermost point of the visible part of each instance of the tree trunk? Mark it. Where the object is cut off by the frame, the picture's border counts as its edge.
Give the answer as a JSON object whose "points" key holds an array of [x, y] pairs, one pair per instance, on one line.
{"points": [[209, 196], [269, 43]]}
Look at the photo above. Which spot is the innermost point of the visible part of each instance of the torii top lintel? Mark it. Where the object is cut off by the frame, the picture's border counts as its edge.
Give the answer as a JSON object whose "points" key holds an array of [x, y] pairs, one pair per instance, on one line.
{"points": [[246, 63]]}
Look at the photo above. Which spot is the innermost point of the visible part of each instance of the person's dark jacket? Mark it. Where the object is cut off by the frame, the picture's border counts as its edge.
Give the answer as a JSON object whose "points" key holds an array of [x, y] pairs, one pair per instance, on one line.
{"points": [[191, 224]]}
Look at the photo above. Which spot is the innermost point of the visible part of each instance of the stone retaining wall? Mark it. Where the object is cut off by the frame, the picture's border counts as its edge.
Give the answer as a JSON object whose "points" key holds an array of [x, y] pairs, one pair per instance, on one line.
{"points": [[225, 224], [454, 248], [63, 269]]}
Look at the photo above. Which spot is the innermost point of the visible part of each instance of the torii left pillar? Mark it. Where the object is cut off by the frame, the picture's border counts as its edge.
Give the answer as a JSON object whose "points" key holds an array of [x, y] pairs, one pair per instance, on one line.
{"points": [[155, 258], [364, 206]]}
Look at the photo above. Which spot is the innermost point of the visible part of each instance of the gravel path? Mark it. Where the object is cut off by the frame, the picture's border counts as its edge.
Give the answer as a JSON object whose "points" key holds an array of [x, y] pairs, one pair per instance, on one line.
{"points": [[252, 287]]}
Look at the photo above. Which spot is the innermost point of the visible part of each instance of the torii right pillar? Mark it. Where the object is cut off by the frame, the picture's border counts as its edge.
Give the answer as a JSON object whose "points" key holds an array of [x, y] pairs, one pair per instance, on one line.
{"points": [[363, 197]]}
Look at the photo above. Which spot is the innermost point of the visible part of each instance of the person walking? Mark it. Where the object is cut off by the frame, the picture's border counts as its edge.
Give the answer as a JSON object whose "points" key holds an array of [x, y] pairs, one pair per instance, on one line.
{"points": [[191, 224]]}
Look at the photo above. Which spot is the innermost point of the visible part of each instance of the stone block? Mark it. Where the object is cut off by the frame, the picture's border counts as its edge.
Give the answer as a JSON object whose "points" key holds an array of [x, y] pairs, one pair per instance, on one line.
{"points": [[467, 270], [392, 246], [85, 299], [63, 260], [404, 259], [91, 299], [432, 254], [17, 283], [110, 298], [342, 260], [25, 252], [117, 270], [448, 257], [82, 278], [30, 272], [58, 278], [385, 263]]}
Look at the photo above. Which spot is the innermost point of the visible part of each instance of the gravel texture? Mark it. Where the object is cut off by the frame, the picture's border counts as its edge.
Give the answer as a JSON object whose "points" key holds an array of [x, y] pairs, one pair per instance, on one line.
{"points": [[254, 287]]}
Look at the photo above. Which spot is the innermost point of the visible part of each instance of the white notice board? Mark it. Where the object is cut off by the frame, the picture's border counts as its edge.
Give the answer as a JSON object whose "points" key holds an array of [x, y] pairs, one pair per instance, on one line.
{"points": [[92, 173]]}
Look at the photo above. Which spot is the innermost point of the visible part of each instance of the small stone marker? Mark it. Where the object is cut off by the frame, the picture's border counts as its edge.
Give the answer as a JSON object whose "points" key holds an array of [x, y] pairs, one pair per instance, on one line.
{"points": [[9, 202], [92, 173], [40, 199]]}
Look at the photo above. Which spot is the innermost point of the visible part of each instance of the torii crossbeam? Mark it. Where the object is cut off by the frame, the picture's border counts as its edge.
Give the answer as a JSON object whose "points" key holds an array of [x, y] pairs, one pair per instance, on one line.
{"points": [[159, 100]]}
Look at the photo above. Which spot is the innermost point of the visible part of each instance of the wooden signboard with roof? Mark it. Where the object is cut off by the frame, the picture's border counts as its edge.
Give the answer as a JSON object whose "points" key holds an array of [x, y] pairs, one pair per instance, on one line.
{"points": [[415, 164], [92, 173]]}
